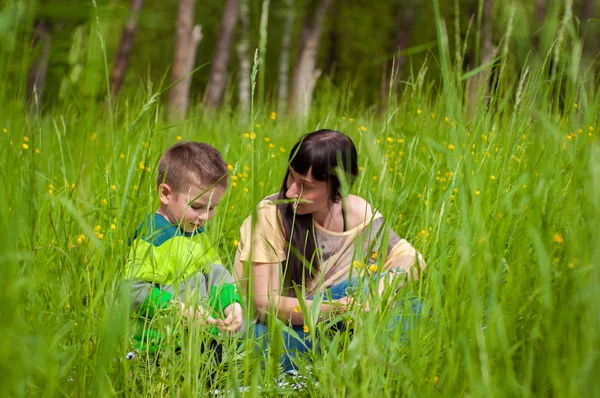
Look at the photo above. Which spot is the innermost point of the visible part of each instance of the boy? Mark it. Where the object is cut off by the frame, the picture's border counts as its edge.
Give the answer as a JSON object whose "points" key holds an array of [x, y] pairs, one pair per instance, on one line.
{"points": [[171, 261]]}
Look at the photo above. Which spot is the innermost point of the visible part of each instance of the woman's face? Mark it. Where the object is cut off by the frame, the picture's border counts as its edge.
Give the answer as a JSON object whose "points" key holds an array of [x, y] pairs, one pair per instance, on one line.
{"points": [[309, 189]]}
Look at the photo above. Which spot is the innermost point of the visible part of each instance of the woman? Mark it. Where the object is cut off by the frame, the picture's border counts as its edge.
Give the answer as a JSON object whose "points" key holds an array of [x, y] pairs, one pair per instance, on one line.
{"points": [[310, 239]]}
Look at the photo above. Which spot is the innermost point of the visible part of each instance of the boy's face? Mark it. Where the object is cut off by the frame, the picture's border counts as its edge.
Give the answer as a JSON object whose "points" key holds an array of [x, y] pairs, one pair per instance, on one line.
{"points": [[192, 208]]}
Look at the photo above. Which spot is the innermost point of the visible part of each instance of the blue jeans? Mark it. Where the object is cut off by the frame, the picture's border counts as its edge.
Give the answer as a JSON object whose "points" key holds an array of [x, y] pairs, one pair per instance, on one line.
{"points": [[296, 342]]}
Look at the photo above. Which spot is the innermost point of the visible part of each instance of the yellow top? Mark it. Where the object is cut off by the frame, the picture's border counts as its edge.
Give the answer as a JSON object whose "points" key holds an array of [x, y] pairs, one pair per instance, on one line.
{"points": [[341, 254]]}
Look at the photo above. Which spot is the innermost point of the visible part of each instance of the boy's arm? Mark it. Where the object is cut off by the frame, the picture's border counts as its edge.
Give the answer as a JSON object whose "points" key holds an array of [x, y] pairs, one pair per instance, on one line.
{"points": [[147, 298]]}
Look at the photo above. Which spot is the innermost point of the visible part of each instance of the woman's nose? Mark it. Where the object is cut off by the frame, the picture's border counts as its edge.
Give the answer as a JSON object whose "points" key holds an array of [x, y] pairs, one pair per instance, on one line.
{"points": [[292, 192]]}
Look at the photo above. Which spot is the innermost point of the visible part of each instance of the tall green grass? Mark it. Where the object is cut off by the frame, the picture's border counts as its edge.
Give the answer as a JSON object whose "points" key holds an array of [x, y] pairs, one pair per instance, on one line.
{"points": [[503, 203]]}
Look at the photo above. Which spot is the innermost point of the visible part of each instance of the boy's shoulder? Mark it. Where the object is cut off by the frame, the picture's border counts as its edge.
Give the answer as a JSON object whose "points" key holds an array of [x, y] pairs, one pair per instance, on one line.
{"points": [[156, 230]]}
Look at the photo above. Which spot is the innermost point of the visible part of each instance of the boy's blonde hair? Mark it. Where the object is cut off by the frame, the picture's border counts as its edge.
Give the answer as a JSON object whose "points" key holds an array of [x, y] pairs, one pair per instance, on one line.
{"points": [[188, 163]]}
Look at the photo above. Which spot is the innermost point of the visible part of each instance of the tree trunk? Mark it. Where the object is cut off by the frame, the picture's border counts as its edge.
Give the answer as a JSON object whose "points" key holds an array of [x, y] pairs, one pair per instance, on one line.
{"points": [[589, 12], [477, 85], [188, 37], [404, 24], [243, 48], [284, 58], [36, 78], [305, 75], [218, 72], [122, 60], [540, 11]]}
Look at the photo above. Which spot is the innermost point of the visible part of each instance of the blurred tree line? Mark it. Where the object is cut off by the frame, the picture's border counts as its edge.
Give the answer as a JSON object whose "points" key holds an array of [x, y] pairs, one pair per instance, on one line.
{"points": [[58, 51]]}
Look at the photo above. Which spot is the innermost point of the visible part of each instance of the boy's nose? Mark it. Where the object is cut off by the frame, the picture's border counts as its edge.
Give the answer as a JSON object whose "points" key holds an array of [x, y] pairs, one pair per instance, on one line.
{"points": [[203, 216]]}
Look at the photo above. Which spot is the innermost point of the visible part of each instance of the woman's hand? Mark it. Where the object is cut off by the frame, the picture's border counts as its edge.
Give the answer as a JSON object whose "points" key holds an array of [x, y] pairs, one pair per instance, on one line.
{"points": [[233, 318]]}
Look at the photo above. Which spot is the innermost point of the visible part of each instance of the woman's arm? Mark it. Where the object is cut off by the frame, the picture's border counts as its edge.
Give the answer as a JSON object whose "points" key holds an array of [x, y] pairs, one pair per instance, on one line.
{"points": [[268, 300]]}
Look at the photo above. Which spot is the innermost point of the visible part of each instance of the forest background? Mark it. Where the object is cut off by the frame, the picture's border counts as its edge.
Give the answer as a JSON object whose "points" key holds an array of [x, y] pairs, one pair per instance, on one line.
{"points": [[477, 126]]}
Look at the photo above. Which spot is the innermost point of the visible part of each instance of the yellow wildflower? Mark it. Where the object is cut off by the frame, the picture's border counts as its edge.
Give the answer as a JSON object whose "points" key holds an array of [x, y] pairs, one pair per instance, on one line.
{"points": [[558, 238], [419, 111], [306, 329], [5, 130], [113, 187], [375, 255], [390, 139], [25, 146], [37, 151], [179, 138], [113, 227], [351, 120], [363, 128], [93, 136], [477, 193], [273, 115], [358, 264], [26, 139], [142, 165], [450, 146], [575, 105], [493, 178], [446, 119], [296, 308], [246, 135], [104, 202], [282, 149], [373, 268], [50, 192], [236, 243]]}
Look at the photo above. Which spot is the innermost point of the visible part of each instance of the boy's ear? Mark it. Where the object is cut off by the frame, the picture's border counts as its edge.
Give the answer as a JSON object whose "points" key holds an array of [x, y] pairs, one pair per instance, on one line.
{"points": [[164, 192]]}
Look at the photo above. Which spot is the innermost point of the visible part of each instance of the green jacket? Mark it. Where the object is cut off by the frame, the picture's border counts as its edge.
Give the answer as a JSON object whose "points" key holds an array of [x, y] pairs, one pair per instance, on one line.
{"points": [[167, 265]]}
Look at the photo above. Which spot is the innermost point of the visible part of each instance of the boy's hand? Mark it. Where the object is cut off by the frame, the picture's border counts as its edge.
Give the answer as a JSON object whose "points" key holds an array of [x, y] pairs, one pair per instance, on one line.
{"points": [[233, 318], [197, 316]]}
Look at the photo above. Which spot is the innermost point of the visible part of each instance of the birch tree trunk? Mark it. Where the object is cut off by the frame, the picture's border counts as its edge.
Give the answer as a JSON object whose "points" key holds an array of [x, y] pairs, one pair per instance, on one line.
{"points": [[36, 77], [188, 37], [477, 85], [404, 19], [590, 11], [122, 59], [284, 57], [540, 11], [218, 72], [304, 75], [243, 49]]}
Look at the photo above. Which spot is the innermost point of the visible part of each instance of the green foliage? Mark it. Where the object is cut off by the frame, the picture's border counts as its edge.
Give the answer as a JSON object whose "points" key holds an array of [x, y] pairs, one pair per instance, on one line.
{"points": [[502, 199]]}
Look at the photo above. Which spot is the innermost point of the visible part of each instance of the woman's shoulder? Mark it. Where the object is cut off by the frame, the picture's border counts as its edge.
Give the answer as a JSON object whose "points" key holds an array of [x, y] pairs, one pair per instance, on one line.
{"points": [[266, 208], [359, 211], [268, 203]]}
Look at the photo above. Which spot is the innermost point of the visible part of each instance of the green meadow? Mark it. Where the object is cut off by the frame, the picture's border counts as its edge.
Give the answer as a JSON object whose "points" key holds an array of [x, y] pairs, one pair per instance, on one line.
{"points": [[501, 196]]}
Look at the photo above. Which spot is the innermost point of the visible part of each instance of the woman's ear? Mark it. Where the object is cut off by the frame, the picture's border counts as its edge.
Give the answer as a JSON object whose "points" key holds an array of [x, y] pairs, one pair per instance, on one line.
{"points": [[164, 192]]}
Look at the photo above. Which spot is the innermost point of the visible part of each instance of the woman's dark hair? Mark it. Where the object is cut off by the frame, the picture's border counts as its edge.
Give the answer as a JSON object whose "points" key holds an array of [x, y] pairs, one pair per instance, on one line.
{"points": [[325, 153]]}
